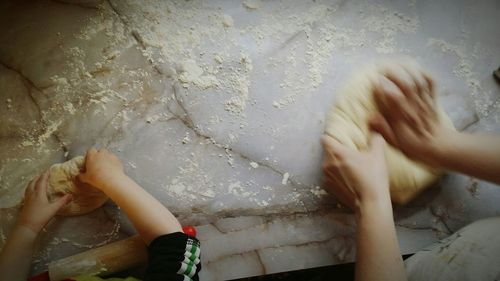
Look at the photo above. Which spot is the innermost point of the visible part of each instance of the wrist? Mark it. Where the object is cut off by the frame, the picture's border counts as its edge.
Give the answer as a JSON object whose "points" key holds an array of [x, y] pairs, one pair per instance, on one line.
{"points": [[26, 230], [374, 208], [112, 180], [440, 146]]}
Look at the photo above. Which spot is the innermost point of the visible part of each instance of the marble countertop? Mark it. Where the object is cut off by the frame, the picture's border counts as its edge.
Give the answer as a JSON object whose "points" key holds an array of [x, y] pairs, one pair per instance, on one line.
{"points": [[216, 108]]}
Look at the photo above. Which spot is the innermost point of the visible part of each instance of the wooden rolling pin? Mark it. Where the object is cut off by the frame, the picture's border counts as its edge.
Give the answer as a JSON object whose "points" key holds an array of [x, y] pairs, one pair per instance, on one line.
{"points": [[102, 261]]}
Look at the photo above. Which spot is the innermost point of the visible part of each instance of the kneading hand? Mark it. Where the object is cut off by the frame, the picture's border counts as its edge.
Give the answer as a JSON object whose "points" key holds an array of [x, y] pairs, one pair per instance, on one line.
{"points": [[101, 166], [37, 210], [356, 177], [410, 120]]}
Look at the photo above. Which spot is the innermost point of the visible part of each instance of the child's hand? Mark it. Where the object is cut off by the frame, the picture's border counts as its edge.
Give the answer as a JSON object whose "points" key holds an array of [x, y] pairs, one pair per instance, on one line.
{"points": [[101, 166], [356, 177], [37, 210]]}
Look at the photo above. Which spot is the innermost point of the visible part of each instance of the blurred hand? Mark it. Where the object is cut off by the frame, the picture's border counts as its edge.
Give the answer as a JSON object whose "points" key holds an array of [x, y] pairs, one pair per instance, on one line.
{"points": [[37, 210], [356, 177], [100, 167], [409, 118]]}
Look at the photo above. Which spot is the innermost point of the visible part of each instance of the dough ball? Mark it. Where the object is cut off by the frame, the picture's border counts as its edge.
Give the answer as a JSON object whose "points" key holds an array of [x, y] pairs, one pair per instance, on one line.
{"points": [[347, 121], [62, 181]]}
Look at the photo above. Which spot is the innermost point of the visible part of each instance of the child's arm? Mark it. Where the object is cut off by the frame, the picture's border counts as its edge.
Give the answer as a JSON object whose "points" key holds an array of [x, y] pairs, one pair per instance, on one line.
{"points": [[360, 180], [149, 216], [173, 255], [15, 258]]}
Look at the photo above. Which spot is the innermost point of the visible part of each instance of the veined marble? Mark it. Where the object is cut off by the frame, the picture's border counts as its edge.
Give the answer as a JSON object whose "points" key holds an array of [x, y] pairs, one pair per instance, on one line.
{"points": [[216, 108]]}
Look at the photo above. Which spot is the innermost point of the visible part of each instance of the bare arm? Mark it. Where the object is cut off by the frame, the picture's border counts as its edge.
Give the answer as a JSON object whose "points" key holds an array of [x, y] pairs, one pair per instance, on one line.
{"points": [[411, 121], [15, 258], [149, 216], [477, 155], [377, 256], [360, 180]]}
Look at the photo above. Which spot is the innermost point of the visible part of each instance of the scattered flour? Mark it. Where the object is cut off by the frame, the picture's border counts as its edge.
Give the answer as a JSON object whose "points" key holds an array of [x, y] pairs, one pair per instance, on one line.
{"points": [[218, 59], [251, 4], [239, 83], [389, 24], [190, 72], [227, 21], [463, 69], [318, 191], [284, 180]]}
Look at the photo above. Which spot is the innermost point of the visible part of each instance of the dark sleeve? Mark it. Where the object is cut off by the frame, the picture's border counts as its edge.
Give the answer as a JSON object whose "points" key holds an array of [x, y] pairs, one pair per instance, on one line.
{"points": [[174, 256]]}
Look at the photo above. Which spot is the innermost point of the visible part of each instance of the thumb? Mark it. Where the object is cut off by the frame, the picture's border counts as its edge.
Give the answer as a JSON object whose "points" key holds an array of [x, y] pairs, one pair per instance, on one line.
{"points": [[61, 202], [333, 146], [377, 143], [82, 177], [379, 124]]}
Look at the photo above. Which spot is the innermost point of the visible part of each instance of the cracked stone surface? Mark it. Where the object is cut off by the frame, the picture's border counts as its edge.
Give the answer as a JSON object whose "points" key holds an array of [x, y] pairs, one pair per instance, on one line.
{"points": [[220, 120]]}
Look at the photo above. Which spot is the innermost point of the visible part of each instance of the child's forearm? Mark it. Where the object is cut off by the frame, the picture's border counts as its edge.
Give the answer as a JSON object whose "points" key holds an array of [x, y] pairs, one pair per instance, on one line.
{"points": [[15, 258], [149, 216], [378, 256], [477, 155]]}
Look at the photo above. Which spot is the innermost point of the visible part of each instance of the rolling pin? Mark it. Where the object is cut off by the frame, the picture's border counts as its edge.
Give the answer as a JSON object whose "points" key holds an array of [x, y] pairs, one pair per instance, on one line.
{"points": [[102, 261]]}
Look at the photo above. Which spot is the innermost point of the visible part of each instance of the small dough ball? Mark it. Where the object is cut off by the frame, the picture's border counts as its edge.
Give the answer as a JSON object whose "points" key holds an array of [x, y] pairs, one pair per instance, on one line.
{"points": [[347, 121], [62, 181]]}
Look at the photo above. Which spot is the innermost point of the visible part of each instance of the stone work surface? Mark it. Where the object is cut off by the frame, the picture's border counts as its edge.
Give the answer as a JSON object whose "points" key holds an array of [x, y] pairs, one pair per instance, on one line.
{"points": [[216, 108]]}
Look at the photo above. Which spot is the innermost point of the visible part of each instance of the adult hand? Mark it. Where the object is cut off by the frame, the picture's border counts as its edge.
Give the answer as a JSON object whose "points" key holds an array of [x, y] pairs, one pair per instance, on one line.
{"points": [[356, 177], [37, 210], [409, 118], [100, 167]]}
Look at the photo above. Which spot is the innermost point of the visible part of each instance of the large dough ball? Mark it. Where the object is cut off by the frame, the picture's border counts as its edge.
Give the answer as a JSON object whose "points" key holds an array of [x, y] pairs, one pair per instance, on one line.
{"points": [[62, 180], [347, 121]]}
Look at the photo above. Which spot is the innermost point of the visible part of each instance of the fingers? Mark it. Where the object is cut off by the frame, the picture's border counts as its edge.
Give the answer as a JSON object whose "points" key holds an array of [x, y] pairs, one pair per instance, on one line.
{"points": [[88, 156], [380, 125], [82, 177], [333, 147], [61, 202], [416, 74], [418, 105], [430, 85], [391, 97], [403, 80], [44, 182], [398, 107], [41, 183], [377, 144], [339, 190], [31, 185], [90, 153]]}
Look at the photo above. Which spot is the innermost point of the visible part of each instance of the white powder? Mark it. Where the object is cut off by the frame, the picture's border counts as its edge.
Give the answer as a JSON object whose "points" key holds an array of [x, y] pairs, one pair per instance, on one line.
{"points": [[218, 59], [463, 69], [251, 4], [227, 21], [389, 24], [284, 180], [190, 72], [318, 191], [239, 83]]}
